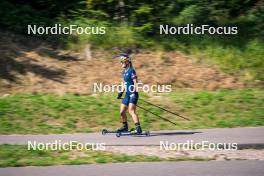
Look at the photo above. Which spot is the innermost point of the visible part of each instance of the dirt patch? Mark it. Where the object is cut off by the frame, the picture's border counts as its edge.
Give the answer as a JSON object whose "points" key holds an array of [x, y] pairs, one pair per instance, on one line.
{"points": [[28, 65]]}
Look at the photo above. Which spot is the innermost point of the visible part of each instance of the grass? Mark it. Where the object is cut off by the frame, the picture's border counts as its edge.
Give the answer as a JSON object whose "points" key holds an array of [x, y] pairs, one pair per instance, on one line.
{"points": [[18, 155], [246, 61], [224, 108], [43, 113], [237, 55], [47, 113]]}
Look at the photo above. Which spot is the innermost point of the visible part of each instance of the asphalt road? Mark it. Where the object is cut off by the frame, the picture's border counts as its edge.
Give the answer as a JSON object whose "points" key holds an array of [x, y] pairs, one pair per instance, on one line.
{"points": [[248, 136], [251, 135], [188, 168]]}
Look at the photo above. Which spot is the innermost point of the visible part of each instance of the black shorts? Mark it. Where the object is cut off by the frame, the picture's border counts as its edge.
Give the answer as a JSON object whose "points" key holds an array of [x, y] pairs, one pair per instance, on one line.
{"points": [[130, 98]]}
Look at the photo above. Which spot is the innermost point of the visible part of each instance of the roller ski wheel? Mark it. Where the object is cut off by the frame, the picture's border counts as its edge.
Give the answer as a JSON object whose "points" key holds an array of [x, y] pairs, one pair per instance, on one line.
{"points": [[118, 134], [104, 131]]}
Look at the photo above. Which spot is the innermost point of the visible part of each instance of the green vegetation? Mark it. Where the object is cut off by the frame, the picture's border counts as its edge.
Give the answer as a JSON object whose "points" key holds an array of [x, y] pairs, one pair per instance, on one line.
{"points": [[133, 24], [18, 155], [224, 108], [246, 61], [46, 113]]}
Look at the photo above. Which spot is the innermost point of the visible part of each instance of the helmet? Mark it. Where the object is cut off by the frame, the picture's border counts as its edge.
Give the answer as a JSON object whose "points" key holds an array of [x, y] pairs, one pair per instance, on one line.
{"points": [[124, 57]]}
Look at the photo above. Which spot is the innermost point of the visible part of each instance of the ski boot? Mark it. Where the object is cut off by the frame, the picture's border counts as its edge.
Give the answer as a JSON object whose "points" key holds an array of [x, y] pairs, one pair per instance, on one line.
{"points": [[137, 130], [123, 129]]}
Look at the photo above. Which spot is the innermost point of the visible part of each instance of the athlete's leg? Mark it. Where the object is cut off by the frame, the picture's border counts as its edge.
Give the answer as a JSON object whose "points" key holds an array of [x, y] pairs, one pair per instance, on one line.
{"points": [[132, 111], [123, 109], [133, 99]]}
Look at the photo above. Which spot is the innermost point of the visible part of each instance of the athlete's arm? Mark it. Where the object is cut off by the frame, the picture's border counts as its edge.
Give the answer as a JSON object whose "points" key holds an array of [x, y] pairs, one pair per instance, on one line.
{"points": [[120, 93], [135, 80]]}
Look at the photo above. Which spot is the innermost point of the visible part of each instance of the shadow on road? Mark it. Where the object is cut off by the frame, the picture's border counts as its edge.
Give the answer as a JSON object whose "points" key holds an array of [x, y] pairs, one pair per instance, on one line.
{"points": [[152, 134], [173, 133]]}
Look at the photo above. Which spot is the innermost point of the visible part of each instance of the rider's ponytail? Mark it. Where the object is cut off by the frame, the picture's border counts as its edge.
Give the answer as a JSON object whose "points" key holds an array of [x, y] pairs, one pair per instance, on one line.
{"points": [[131, 65]]}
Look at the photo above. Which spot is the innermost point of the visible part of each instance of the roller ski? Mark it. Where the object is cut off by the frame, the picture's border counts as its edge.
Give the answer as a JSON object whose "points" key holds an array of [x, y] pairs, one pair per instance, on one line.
{"points": [[132, 133], [123, 131]]}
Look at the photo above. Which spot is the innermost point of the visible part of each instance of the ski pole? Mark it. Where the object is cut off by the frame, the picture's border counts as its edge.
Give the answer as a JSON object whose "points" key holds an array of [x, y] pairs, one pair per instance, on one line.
{"points": [[166, 110], [157, 115]]}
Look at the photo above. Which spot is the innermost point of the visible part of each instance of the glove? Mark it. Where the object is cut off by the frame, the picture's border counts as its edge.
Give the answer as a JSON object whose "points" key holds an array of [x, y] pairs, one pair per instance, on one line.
{"points": [[119, 95]]}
